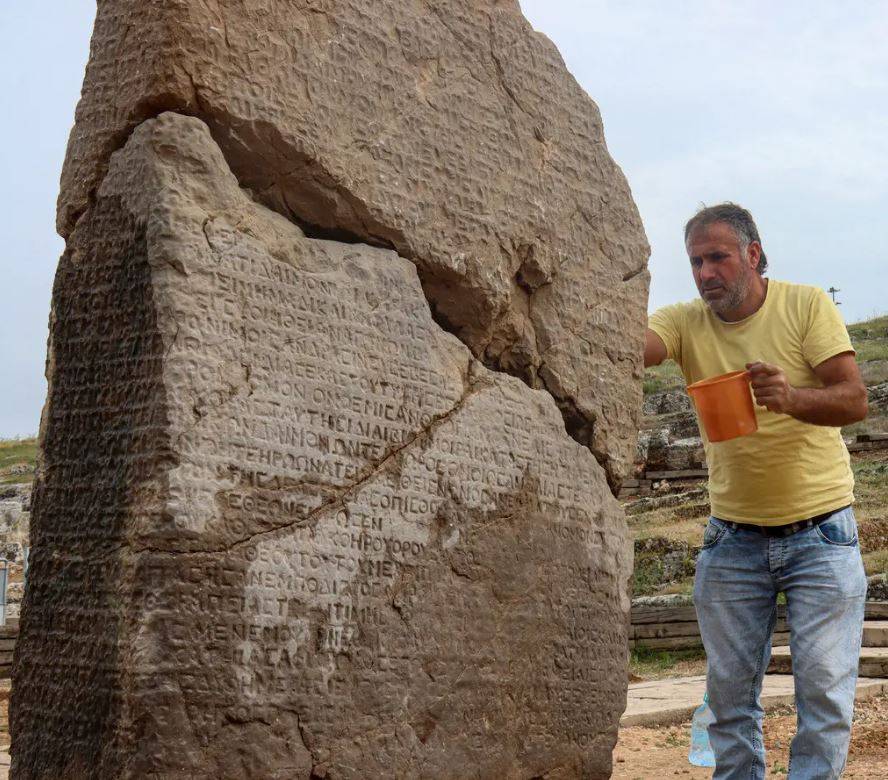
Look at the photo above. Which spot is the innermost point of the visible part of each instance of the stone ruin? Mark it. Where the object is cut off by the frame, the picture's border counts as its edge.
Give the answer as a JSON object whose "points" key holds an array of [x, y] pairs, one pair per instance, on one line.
{"points": [[344, 366]]}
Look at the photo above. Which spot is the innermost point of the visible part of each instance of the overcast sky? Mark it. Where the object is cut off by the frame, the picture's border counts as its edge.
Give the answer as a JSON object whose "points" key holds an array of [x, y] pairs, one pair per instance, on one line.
{"points": [[782, 107]]}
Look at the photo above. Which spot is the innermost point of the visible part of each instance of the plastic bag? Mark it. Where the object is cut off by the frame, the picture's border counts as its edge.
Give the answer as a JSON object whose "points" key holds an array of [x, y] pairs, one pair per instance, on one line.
{"points": [[701, 751]]}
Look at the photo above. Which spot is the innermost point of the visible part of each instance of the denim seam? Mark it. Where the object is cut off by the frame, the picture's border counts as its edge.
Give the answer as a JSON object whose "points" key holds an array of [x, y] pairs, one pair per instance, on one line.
{"points": [[772, 621], [853, 687], [831, 542], [722, 530], [854, 539]]}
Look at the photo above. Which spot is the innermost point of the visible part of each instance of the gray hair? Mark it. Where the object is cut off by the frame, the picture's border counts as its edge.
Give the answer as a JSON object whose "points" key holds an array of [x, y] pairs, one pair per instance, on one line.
{"points": [[737, 218]]}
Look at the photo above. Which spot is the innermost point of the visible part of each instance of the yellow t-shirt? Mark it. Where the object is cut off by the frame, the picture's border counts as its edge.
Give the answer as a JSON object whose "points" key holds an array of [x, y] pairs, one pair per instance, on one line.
{"points": [[788, 470]]}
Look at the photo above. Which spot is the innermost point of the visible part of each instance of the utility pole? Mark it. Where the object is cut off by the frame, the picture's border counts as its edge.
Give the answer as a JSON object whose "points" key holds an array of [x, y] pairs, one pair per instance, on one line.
{"points": [[832, 291]]}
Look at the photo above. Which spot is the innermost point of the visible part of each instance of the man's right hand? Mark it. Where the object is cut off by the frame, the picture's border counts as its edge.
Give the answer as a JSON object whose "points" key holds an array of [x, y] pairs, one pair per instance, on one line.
{"points": [[654, 349]]}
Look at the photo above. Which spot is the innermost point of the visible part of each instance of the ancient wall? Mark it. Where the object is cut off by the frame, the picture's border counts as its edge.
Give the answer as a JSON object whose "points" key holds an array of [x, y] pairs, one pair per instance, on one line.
{"points": [[285, 524]]}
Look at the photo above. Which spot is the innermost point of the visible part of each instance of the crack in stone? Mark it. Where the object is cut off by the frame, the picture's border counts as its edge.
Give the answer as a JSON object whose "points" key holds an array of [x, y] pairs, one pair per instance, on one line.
{"points": [[356, 229], [580, 426], [501, 73], [152, 494], [475, 385], [630, 275]]}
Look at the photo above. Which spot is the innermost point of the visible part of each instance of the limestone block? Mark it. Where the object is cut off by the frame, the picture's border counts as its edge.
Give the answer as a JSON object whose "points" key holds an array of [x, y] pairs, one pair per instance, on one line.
{"points": [[449, 131], [286, 526]]}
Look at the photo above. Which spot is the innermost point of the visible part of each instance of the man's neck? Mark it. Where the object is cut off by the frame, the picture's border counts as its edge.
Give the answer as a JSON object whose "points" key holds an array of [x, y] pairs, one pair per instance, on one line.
{"points": [[755, 298]]}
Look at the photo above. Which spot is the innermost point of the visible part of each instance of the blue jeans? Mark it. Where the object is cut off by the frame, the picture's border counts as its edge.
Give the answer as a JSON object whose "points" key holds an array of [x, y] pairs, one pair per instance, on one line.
{"points": [[739, 574]]}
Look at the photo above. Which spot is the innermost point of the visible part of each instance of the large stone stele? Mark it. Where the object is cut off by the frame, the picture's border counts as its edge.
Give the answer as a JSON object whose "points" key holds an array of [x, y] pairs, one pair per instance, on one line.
{"points": [[447, 130], [286, 526]]}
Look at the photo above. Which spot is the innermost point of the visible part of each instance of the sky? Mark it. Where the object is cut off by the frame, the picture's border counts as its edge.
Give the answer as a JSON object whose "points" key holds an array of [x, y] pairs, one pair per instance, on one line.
{"points": [[781, 107], [43, 52]]}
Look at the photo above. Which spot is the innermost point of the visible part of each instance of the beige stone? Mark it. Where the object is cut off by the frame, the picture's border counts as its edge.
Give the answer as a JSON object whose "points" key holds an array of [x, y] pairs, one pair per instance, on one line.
{"points": [[285, 526], [337, 276], [448, 131]]}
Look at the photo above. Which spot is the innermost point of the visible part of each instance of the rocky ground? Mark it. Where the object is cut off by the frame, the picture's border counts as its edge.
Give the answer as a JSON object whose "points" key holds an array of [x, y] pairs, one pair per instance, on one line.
{"points": [[5, 688], [15, 500]]}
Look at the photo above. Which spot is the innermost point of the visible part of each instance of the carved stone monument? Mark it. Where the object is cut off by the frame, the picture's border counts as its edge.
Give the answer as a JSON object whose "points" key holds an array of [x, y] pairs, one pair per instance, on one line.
{"points": [[286, 525]]}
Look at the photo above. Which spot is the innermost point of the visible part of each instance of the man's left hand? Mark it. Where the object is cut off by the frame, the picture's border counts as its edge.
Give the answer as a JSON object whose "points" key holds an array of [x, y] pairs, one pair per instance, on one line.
{"points": [[771, 387]]}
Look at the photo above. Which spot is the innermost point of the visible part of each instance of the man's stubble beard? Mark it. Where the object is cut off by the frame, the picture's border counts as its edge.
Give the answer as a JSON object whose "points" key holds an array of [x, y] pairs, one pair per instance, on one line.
{"points": [[734, 295]]}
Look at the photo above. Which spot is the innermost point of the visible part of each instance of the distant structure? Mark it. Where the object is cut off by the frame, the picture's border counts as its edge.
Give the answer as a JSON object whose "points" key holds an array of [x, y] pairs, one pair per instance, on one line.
{"points": [[832, 291]]}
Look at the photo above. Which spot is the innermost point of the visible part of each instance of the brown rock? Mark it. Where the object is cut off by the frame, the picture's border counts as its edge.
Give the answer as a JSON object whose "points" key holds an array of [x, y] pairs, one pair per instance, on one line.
{"points": [[286, 526], [448, 131]]}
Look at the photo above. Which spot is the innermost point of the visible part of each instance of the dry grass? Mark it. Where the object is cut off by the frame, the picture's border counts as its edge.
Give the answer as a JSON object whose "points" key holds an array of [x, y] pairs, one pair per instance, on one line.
{"points": [[668, 523], [15, 453], [647, 664]]}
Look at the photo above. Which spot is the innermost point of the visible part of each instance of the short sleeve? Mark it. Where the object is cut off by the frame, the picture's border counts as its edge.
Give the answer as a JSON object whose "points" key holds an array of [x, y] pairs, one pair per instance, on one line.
{"points": [[826, 335], [666, 323]]}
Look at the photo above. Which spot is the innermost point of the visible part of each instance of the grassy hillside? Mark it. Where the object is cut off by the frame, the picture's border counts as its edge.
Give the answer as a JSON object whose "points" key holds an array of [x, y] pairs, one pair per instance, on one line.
{"points": [[17, 457], [666, 376], [870, 339]]}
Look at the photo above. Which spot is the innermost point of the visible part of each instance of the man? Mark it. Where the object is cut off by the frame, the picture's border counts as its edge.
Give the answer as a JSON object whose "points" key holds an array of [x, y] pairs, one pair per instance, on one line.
{"points": [[780, 498]]}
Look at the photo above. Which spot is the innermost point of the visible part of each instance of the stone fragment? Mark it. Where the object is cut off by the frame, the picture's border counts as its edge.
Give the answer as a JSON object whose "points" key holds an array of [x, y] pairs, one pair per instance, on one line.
{"points": [[449, 131], [285, 526]]}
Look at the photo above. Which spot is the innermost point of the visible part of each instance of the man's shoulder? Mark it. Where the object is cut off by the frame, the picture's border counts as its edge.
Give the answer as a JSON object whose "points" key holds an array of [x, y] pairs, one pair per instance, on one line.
{"points": [[684, 310], [795, 291], [795, 302]]}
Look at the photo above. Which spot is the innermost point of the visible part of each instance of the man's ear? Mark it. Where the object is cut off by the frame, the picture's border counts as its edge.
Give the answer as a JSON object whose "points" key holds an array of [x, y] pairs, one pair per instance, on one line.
{"points": [[753, 254]]}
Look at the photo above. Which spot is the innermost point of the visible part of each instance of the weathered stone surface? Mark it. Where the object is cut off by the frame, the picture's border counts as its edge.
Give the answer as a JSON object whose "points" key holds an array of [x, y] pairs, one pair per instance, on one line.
{"points": [[449, 131], [15, 505], [667, 402], [878, 398], [287, 527], [877, 587], [664, 453], [660, 562]]}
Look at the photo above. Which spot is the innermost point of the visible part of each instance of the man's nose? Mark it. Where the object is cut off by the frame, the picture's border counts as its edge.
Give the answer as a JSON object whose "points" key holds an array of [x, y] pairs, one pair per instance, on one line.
{"points": [[707, 272]]}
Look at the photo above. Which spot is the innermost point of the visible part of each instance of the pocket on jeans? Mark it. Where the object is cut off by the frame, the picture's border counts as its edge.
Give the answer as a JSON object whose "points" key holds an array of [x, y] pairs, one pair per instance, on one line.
{"points": [[840, 529], [713, 534]]}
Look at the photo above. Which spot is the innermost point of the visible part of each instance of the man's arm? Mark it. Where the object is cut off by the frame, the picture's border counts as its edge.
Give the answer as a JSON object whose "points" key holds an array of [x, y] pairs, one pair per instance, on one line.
{"points": [[654, 349], [841, 401]]}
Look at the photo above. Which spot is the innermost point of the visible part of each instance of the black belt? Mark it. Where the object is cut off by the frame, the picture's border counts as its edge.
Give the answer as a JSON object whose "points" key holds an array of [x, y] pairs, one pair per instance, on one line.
{"points": [[784, 530]]}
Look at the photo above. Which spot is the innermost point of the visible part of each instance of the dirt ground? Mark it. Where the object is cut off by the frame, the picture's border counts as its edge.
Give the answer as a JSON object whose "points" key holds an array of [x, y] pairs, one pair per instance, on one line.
{"points": [[4, 713], [654, 753]]}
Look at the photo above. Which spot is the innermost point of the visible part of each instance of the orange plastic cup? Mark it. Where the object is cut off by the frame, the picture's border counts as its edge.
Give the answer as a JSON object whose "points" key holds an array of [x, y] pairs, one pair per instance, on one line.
{"points": [[724, 404]]}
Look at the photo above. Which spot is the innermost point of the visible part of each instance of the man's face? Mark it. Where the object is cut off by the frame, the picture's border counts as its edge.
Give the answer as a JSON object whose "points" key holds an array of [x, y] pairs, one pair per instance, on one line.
{"points": [[722, 272]]}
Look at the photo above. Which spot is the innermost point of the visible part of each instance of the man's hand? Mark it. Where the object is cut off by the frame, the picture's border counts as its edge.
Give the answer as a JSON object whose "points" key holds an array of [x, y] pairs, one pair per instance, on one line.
{"points": [[841, 400], [771, 387]]}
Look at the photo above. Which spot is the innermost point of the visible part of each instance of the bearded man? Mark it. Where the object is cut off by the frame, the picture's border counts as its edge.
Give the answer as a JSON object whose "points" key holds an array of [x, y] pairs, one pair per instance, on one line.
{"points": [[780, 498]]}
